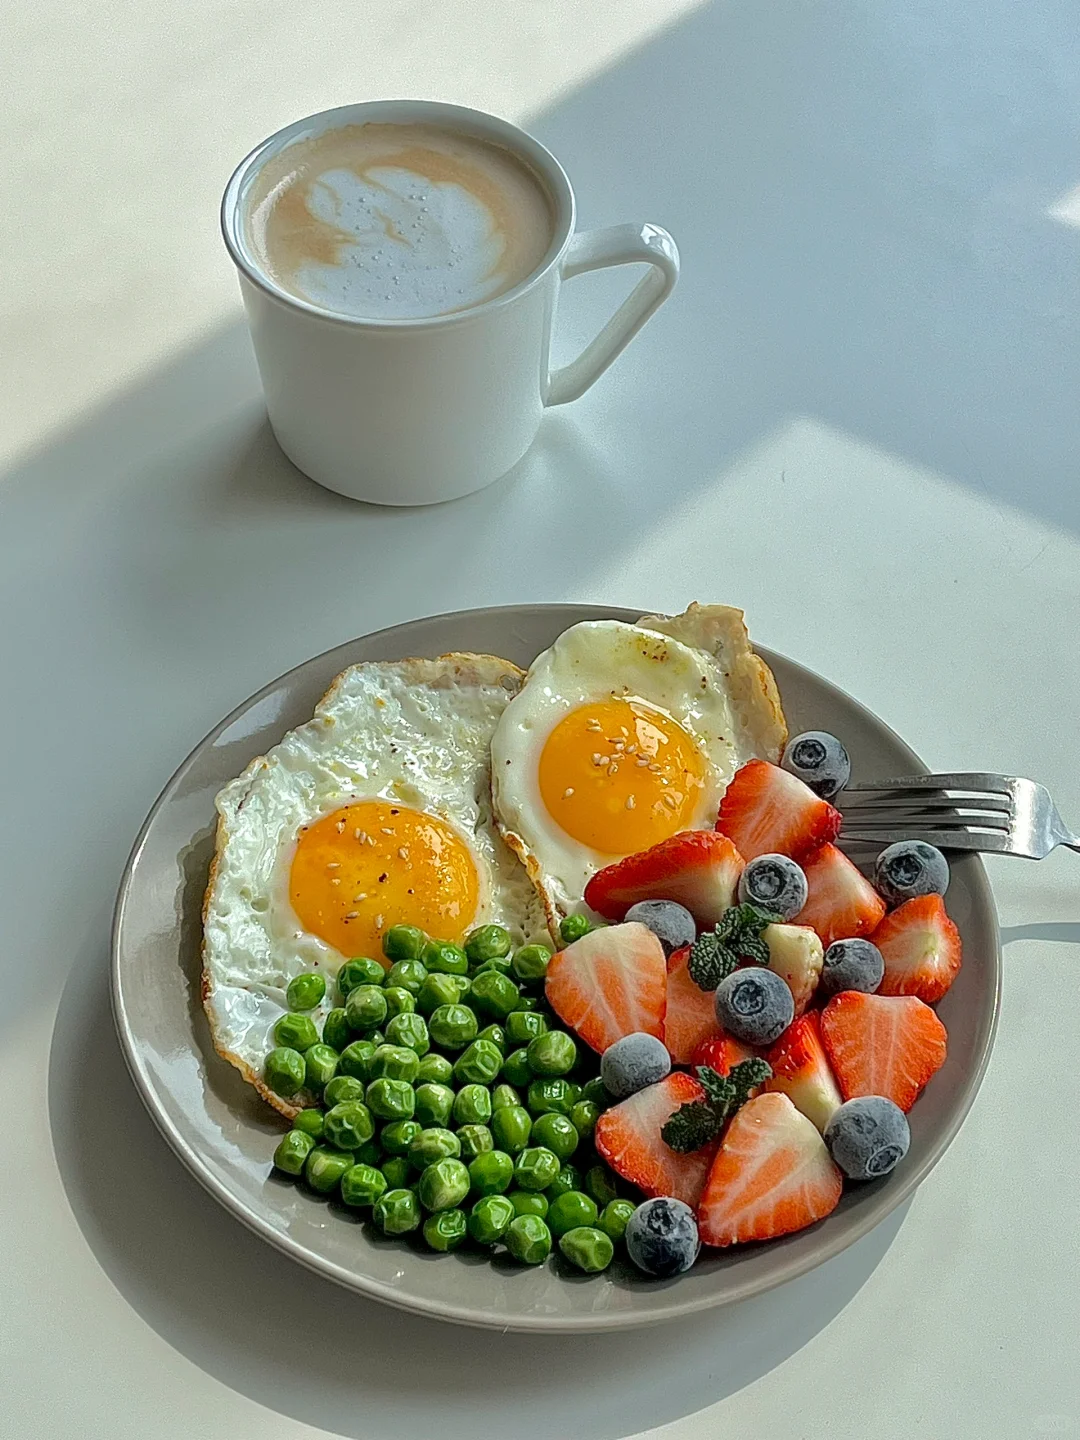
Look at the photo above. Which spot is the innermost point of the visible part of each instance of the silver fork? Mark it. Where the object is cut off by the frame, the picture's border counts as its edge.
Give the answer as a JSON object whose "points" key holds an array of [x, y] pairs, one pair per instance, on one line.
{"points": [[999, 814]]}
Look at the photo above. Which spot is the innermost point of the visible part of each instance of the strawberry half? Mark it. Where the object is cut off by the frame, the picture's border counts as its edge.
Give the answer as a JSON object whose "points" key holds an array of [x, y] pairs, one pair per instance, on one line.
{"points": [[628, 1137], [766, 810], [720, 1052], [772, 1175], [841, 903], [922, 949], [797, 955], [698, 868], [801, 1071], [691, 1012], [610, 983], [882, 1044]]}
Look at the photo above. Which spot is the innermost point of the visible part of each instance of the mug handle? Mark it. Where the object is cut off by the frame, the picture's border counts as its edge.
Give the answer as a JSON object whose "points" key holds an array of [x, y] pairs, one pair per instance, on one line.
{"points": [[596, 250]]}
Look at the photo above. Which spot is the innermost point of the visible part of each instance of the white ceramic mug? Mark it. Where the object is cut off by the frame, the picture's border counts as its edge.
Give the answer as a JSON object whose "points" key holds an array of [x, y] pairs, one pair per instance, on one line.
{"points": [[409, 412]]}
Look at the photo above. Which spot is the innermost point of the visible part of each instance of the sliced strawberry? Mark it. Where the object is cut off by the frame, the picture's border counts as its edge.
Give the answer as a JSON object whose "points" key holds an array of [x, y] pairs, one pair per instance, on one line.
{"points": [[801, 1071], [691, 1013], [882, 1044], [797, 955], [771, 1176], [766, 810], [841, 904], [721, 1052], [610, 983], [628, 1137], [922, 949], [698, 868]]}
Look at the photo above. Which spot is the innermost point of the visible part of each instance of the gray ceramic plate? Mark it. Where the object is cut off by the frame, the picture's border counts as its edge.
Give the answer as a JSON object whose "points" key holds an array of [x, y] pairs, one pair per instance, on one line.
{"points": [[225, 1135]]}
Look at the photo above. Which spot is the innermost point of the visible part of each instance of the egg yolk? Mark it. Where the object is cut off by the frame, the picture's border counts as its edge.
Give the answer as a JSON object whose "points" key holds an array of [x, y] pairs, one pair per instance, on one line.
{"points": [[619, 776], [375, 864]]}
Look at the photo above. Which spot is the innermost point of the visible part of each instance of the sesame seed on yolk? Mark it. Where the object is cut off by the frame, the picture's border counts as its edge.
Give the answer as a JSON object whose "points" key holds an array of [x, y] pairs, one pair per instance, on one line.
{"points": [[619, 776], [375, 864]]}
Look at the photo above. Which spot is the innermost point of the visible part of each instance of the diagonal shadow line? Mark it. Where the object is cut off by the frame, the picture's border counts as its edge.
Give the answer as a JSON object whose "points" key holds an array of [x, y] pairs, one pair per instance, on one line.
{"points": [[1065, 931]]}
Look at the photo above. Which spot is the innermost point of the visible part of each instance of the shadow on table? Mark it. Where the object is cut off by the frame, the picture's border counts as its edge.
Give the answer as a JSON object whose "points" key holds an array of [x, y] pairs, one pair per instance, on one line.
{"points": [[300, 1345]]}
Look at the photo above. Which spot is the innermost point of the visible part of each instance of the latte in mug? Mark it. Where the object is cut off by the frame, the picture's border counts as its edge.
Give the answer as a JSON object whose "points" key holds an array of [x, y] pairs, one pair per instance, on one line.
{"points": [[384, 221]]}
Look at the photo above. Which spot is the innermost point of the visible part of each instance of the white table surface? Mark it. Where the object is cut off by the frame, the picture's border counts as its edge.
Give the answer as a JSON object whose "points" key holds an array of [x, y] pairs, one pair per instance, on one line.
{"points": [[858, 418]]}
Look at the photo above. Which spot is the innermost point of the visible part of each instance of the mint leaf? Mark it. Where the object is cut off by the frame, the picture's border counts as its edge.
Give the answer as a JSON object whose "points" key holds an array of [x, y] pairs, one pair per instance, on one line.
{"points": [[692, 1126], [699, 1121], [736, 938], [747, 1076]]}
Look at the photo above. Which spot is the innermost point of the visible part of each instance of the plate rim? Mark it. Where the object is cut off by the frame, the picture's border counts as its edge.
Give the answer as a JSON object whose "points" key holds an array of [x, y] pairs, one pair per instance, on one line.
{"points": [[796, 1266]]}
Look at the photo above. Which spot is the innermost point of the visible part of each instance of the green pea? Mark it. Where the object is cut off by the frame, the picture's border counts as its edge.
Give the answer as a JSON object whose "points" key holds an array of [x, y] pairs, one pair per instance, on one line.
{"points": [[399, 1135], [528, 1239], [535, 1168], [489, 1219], [487, 942], [615, 1217], [554, 1094], [362, 1185], [475, 1140], [284, 1071], [391, 1099], [524, 1025], [403, 942], [570, 1211], [479, 1064], [491, 1172], [443, 958], [595, 1092], [438, 990], [472, 1105], [296, 1032], [434, 1104], [341, 1089], [532, 1002], [434, 1070], [399, 1001], [376, 1037], [495, 994], [502, 964], [396, 1212], [324, 1168], [320, 1066], [511, 1127], [504, 1095], [583, 1117], [310, 1122], [452, 1027], [293, 1149], [365, 1007], [556, 1133], [443, 1185], [573, 928], [531, 962], [370, 1153], [588, 1248], [359, 972], [446, 1230], [336, 1030], [526, 1202], [349, 1125], [568, 1178], [553, 1053], [407, 975], [433, 1145], [516, 1069], [496, 1034], [409, 1030], [305, 992], [600, 1184], [394, 1061], [397, 1171], [355, 1059]]}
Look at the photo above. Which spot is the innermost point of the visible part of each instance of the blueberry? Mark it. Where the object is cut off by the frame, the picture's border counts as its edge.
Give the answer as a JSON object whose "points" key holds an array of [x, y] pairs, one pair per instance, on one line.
{"points": [[852, 965], [868, 1136], [662, 1237], [672, 924], [819, 760], [775, 883], [632, 1063], [910, 868], [754, 1005]]}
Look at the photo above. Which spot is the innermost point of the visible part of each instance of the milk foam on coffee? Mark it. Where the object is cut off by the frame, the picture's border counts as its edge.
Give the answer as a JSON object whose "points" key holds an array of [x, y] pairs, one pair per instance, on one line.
{"points": [[384, 221]]}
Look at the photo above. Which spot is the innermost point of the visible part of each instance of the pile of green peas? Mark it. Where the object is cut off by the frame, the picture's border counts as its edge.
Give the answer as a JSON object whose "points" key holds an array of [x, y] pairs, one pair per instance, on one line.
{"points": [[450, 1102]]}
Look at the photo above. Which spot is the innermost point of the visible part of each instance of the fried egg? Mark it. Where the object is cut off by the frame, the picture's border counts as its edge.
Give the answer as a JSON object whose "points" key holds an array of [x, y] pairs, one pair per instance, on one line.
{"points": [[375, 812], [623, 735]]}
